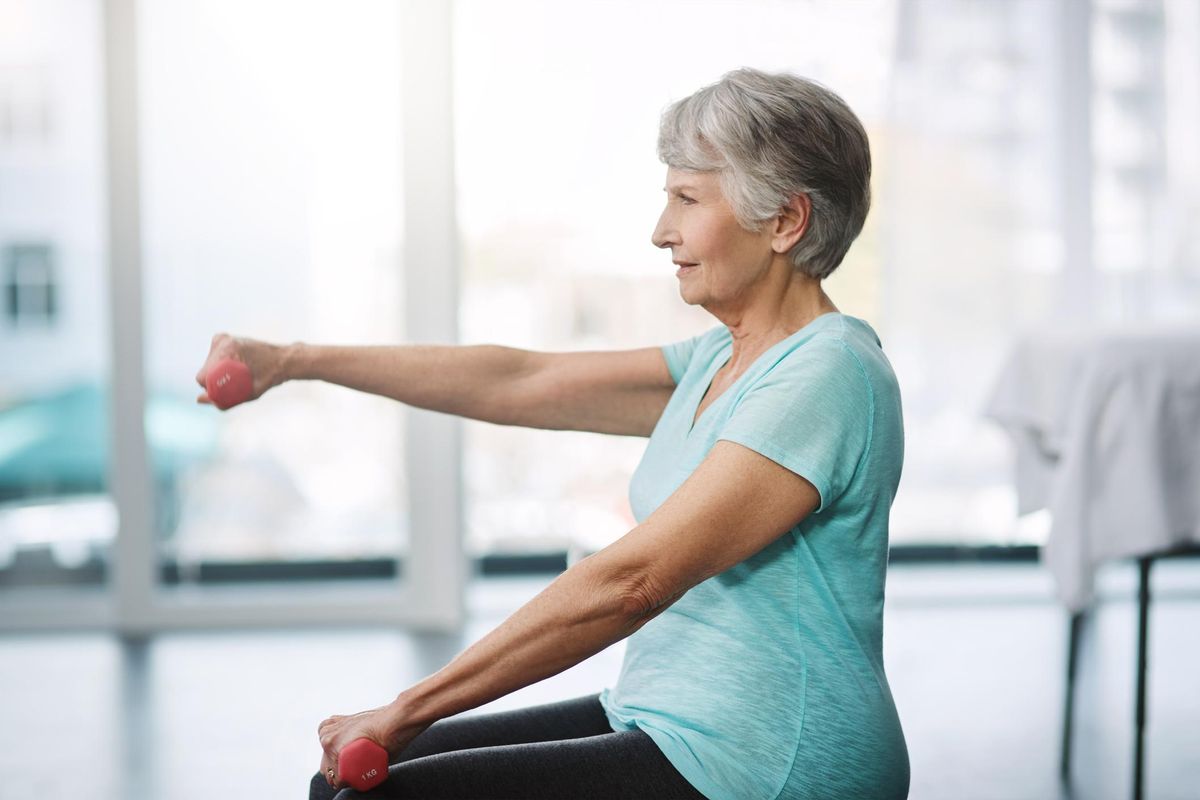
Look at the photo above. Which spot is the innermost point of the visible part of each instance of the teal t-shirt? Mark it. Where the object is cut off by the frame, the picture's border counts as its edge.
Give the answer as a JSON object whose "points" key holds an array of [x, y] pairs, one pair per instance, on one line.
{"points": [[767, 681]]}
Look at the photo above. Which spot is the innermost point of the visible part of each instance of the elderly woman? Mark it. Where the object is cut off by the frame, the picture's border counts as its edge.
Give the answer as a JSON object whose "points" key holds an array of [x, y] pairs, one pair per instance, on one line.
{"points": [[751, 591]]}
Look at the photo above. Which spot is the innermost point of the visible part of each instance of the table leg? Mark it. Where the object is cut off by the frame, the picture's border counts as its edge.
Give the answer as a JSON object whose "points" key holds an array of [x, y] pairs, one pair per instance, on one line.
{"points": [[1068, 715], [1140, 719]]}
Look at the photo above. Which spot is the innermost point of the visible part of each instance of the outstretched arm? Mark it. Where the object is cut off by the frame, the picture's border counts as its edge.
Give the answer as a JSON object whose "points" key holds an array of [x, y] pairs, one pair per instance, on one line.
{"points": [[621, 392]]}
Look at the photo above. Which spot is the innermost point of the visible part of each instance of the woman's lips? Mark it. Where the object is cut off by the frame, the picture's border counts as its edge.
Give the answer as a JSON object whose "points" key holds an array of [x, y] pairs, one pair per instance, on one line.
{"points": [[685, 269]]}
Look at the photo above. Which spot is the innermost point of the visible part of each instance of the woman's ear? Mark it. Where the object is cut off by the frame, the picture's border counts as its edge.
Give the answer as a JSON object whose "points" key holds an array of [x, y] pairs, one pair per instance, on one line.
{"points": [[791, 223]]}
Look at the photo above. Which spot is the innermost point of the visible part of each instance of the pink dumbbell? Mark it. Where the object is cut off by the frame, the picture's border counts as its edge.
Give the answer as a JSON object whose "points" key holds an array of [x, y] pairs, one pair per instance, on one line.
{"points": [[363, 764], [228, 383]]}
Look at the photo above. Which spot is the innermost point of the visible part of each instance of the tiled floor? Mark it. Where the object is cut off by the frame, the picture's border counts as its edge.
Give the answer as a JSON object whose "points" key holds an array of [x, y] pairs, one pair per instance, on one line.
{"points": [[975, 656]]}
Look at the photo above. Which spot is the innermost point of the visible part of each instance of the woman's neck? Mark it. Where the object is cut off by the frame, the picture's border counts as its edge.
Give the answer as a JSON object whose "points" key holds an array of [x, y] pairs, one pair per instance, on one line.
{"points": [[773, 317]]}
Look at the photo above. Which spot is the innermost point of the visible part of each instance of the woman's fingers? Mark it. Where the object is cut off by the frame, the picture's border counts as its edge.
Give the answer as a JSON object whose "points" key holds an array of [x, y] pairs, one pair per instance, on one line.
{"points": [[327, 732], [329, 761], [223, 346], [329, 771]]}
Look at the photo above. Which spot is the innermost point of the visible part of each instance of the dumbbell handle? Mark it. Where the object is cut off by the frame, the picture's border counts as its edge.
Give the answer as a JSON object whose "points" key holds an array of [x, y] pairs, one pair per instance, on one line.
{"points": [[363, 764]]}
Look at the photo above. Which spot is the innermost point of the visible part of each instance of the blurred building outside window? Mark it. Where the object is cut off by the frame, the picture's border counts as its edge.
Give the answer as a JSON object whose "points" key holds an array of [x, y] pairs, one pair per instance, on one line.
{"points": [[29, 285]]}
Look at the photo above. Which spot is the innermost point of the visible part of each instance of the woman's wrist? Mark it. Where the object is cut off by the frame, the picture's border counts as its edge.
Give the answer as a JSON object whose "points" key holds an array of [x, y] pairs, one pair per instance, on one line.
{"points": [[410, 709], [403, 721], [290, 363]]}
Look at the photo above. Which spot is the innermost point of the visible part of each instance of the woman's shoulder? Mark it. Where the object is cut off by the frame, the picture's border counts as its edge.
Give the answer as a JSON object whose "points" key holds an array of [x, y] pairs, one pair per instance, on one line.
{"points": [[845, 348], [852, 337]]}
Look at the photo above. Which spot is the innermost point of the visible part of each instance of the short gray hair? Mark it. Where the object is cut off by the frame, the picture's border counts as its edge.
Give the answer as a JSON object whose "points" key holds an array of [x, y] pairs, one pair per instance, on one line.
{"points": [[772, 136]]}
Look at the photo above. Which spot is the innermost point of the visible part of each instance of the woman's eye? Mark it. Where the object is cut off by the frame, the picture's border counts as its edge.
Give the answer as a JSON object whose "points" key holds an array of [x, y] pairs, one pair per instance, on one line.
{"points": [[686, 200]]}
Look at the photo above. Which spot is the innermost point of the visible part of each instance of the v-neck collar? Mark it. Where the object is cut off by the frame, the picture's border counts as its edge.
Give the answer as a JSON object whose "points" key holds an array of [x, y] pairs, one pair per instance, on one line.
{"points": [[693, 420], [712, 375]]}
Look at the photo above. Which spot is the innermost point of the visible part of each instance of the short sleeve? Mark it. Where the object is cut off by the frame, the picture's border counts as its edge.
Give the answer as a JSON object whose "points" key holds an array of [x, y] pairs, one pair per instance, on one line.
{"points": [[679, 355], [811, 413]]}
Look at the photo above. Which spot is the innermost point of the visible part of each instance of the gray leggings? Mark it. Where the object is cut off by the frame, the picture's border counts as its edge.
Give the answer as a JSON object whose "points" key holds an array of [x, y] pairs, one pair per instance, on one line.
{"points": [[561, 750]]}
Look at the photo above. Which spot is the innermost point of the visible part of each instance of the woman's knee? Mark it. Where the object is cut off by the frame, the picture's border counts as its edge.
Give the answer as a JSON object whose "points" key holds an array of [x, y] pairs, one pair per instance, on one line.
{"points": [[319, 788]]}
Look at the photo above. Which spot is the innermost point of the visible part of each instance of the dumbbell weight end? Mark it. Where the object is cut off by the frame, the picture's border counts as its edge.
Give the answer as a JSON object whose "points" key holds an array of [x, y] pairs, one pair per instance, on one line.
{"points": [[363, 764], [228, 383]]}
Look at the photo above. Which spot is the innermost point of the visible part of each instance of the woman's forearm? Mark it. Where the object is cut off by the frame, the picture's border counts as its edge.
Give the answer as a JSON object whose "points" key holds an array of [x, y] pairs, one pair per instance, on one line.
{"points": [[581, 613], [477, 381]]}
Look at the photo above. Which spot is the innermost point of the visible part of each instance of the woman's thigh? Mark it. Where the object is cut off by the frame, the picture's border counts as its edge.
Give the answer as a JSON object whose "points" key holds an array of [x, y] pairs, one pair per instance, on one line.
{"points": [[565, 719], [609, 766], [562, 720]]}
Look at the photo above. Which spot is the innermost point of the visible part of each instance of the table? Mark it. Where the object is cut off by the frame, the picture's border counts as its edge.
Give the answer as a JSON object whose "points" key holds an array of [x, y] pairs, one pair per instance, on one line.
{"points": [[1107, 431], [1106, 423]]}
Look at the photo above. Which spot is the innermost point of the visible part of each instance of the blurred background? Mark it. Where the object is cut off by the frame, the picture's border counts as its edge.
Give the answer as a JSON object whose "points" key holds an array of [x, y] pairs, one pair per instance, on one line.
{"points": [[379, 172]]}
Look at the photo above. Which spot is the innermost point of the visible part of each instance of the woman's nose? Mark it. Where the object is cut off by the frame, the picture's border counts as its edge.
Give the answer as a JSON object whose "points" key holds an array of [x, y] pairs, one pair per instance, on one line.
{"points": [[664, 234]]}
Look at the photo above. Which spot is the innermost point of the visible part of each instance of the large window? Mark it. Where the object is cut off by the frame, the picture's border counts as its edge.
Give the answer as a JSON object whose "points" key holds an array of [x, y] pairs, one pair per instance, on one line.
{"points": [[271, 207], [965, 246], [250, 161], [560, 188], [171, 170], [57, 519]]}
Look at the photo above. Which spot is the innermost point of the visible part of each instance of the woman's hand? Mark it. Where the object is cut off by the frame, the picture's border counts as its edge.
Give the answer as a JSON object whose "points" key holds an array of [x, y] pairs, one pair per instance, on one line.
{"points": [[264, 360], [386, 726]]}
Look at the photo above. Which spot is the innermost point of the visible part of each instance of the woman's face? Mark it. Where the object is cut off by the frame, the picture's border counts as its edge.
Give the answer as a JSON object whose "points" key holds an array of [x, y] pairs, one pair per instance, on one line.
{"points": [[699, 227]]}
